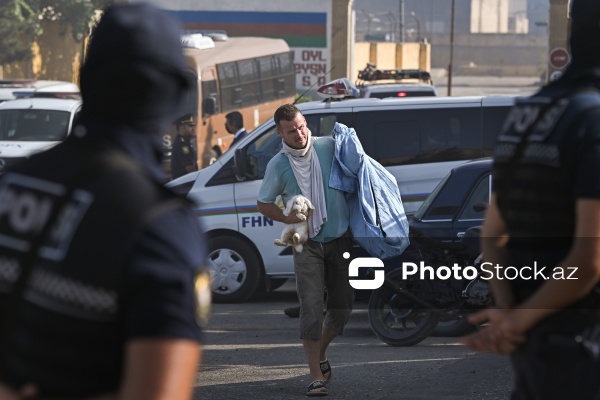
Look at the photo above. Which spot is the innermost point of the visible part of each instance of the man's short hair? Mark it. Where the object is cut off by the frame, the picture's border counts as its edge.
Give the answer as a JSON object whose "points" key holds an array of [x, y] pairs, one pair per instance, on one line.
{"points": [[235, 118], [286, 112], [584, 38]]}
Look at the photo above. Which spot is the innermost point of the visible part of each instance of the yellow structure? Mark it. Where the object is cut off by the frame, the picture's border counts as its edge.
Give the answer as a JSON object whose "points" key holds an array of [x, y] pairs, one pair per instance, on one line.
{"points": [[389, 55], [56, 56]]}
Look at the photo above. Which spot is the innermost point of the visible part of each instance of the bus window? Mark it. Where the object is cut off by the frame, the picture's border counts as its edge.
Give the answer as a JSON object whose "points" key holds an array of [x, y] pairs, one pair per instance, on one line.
{"points": [[190, 101]]}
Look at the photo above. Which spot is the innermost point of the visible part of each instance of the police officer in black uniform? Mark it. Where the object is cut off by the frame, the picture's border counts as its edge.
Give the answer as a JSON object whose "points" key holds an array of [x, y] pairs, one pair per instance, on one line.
{"points": [[183, 155], [101, 290], [542, 230]]}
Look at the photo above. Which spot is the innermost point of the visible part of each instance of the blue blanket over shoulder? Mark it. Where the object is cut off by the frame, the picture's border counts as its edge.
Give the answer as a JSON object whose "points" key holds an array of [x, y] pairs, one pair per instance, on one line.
{"points": [[377, 217]]}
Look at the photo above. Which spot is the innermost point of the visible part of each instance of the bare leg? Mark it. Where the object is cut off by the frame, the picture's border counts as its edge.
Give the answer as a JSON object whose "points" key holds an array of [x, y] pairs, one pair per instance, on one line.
{"points": [[315, 351]]}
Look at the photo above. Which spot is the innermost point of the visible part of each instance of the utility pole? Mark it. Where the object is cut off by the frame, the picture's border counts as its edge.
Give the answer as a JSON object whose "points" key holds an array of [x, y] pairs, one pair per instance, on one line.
{"points": [[401, 21], [451, 49], [558, 33]]}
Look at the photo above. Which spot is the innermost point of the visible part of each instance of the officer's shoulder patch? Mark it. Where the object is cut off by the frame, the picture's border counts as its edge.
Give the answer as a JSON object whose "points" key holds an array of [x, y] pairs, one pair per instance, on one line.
{"points": [[203, 297]]}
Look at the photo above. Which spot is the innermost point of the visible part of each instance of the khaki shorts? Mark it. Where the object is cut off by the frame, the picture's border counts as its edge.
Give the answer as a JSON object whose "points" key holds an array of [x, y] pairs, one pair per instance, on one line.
{"points": [[322, 266]]}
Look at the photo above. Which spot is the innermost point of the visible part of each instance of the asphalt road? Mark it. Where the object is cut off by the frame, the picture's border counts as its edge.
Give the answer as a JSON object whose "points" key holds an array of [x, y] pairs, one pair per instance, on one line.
{"points": [[252, 351]]}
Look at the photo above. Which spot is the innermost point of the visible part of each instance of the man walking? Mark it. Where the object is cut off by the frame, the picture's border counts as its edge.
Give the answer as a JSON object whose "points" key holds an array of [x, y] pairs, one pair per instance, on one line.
{"points": [[303, 167]]}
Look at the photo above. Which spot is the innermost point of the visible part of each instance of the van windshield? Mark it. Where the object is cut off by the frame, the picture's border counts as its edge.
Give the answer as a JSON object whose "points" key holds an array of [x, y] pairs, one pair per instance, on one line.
{"points": [[34, 125]]}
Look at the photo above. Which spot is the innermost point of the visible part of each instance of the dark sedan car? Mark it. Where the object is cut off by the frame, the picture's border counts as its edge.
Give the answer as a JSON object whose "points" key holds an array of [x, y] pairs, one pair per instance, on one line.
{"points": [[457, 203]]}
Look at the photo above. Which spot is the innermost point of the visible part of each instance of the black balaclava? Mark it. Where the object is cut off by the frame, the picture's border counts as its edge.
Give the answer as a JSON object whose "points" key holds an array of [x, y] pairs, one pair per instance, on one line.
{"points": [[585, 34], [133, 76]]}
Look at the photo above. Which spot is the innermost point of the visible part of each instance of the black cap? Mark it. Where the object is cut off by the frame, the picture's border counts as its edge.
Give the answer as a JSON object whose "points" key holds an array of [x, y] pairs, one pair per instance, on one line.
{"points": [[585, 32], [186, 120], [134, 71]]}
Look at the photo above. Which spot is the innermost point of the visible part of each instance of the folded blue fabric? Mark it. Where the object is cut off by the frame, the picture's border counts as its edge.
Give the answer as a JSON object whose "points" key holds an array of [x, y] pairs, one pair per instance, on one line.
{"points": [[377, 218]]}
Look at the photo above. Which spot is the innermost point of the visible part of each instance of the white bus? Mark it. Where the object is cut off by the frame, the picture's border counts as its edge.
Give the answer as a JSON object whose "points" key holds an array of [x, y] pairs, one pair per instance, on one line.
{"points": [[252, 75]]}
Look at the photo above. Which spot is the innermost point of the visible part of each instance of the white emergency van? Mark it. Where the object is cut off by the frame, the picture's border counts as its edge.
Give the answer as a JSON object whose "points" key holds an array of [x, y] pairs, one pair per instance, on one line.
{"points": [[36, 121], [14, 88], [417, 139]]}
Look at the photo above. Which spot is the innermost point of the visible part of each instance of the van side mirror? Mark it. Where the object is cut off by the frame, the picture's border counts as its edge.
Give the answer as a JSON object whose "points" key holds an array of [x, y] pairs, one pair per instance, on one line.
{"points": [[239, 160], [209, 106]]}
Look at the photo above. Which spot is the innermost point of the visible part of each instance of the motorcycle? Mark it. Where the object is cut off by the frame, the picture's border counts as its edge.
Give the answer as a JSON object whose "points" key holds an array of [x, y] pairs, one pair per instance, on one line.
{"points": [[407, 308]]}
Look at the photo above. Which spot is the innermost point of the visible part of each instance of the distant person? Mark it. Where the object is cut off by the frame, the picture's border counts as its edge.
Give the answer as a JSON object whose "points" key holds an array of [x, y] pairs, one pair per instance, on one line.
{"points": [[234, 123], [184, 158], [101, 286], [541, 233]]}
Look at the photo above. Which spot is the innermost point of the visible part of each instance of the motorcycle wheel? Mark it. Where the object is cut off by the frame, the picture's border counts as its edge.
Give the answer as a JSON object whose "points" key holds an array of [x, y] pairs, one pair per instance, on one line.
{"points": [[395, 319]]}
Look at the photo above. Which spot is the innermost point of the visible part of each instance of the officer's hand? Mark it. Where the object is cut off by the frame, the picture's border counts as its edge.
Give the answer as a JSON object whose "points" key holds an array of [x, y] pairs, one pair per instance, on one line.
{"points": [[27, 391], [501, 335]]}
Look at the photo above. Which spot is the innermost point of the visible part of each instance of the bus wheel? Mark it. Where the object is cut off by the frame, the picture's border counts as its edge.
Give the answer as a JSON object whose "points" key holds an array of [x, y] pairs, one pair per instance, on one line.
{"points": [[235, 269]]}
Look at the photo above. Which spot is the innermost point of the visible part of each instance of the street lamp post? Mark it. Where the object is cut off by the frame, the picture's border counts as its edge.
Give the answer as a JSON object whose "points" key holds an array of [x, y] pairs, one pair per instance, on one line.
{"points": [[393, 25], [368, 22], [418, 21], [401, 21]]}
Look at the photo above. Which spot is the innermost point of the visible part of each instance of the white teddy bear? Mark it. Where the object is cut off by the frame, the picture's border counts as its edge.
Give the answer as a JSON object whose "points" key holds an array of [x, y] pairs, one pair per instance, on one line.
{"points": [[296, 234]]}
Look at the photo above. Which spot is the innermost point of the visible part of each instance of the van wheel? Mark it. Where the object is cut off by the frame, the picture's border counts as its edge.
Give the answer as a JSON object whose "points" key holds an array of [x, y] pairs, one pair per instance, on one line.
{"points": [[235, 269]]}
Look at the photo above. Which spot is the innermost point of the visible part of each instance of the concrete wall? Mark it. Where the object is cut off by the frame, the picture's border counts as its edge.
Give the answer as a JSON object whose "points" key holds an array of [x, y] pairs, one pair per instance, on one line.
{"points": [[489, 54], [387, 55], [489, 16], [384, 55]]}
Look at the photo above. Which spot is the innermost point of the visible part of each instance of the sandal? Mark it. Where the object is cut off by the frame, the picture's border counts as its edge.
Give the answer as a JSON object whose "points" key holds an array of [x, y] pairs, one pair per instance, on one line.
{"points": [[314, 389], [326, 370]]}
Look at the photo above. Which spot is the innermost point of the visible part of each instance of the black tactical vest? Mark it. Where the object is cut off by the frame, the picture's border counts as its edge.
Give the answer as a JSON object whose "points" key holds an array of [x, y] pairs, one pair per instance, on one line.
{"points": [[67, 332], [533, 182]]}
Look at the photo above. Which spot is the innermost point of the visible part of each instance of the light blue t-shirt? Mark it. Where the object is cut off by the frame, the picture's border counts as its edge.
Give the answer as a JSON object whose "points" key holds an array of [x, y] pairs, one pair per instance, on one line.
{"points": [[280, 180]]}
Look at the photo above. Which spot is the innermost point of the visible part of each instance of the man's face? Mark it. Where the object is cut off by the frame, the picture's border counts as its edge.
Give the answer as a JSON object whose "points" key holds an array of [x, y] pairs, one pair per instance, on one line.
{"points": [[294, 133], [186, 130], [228, 127]]}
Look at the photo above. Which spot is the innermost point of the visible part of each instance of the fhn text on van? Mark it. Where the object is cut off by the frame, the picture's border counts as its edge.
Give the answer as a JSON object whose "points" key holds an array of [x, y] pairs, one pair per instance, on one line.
{"points": [[257, 221], [486, 271]]}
